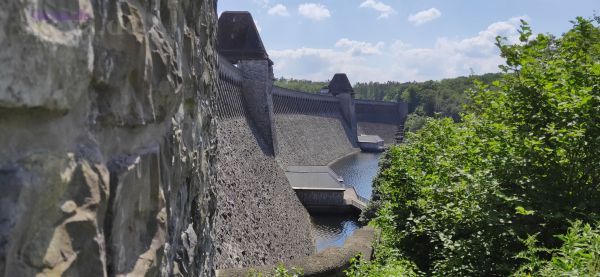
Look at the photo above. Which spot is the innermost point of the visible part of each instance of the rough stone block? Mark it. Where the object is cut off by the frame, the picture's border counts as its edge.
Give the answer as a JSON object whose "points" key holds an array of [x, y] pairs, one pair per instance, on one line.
{"points": [[46, 54], [52, 227]]}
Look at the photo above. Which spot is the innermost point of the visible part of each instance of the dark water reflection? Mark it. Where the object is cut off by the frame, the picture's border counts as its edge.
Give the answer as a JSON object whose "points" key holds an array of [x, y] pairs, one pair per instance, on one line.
{"points": [[357, 170], [332, 230]]}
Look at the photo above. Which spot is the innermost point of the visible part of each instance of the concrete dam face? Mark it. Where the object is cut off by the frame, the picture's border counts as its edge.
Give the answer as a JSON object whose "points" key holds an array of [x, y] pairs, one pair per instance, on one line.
{"points": [[259, 220], [139, 141], [263, 130], [310, 129]]}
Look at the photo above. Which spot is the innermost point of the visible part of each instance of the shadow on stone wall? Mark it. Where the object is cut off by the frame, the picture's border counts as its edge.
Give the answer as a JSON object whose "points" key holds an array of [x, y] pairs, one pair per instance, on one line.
{"points": [[107, 164]]}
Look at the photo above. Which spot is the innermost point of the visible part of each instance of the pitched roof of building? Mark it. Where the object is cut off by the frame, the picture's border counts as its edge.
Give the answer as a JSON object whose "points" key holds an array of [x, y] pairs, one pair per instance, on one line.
{"points": [[340, 84], [238, 38]]}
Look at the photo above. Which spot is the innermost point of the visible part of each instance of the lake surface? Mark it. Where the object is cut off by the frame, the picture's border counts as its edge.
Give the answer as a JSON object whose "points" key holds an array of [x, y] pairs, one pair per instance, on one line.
{"points": [[358, 170], [332, 230]]}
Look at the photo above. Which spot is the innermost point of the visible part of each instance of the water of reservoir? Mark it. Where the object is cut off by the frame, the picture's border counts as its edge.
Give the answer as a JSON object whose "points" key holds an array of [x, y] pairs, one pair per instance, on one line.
{"points": [[357, 170]]}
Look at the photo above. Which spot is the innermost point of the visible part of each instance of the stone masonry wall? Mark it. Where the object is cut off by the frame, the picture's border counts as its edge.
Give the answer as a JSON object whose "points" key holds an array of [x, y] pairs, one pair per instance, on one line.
{"points": [[384, 130], [108, 139], [310, 129], [380, 118], [259, 218]]}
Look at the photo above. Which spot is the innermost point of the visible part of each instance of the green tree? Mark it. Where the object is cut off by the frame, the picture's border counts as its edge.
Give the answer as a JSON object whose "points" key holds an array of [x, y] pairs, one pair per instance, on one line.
{"points": [[300, 85], [457, 198]]}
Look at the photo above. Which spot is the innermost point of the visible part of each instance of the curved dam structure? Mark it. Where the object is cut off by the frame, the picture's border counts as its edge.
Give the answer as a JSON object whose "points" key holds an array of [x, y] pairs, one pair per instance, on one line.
{"points": [[252, 189], [262, 132], [385, 119], [310, 128]]}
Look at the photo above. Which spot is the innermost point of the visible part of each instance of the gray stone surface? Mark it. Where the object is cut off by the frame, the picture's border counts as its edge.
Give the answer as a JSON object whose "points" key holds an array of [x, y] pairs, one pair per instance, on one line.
{"points": [[380, 118], [36, 55], [310, 129], [348, 113], [257, 84], [312, 178], [384, 130], [330, 262], [311, 139], [259, 220], [107, 165]]}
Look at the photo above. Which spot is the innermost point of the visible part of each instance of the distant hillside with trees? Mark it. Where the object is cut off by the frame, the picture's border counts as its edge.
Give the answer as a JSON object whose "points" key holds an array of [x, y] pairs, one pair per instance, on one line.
{"points": [[425, 99], [301, 85]]}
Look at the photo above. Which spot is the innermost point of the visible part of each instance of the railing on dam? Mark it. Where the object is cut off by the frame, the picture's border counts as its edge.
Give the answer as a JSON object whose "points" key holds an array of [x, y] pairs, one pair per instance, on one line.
{"points": [[287, 101], [229, 99], [378, 111]]}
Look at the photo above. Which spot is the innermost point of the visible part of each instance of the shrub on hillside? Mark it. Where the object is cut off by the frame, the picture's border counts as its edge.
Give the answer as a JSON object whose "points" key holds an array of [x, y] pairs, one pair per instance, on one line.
{"points": [[457, 198], [579, 254]]}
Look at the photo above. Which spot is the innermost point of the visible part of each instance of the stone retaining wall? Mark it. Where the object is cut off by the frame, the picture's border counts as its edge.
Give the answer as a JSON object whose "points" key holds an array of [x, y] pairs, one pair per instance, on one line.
{"points": [[331, 262], [107, 164]]}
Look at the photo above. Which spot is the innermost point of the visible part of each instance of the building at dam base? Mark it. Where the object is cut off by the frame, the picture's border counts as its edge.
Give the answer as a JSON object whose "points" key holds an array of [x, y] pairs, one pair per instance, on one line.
{"points": [[267, 135]]}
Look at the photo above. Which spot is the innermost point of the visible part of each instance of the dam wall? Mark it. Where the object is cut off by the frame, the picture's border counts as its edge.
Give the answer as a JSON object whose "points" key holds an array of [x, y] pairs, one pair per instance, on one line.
{"points": [[310, 128], [262, 129], [259, 220], [384, 119]]}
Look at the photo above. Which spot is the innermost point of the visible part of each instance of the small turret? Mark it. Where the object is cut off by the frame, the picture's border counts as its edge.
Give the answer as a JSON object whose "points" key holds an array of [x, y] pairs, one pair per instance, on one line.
{"points": [[238, 38], [340, 84], [341, 88]]}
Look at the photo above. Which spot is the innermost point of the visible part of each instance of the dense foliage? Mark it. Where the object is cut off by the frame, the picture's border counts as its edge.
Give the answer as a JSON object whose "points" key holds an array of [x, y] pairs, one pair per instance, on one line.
{"points": [[381, 268], [426, 99], [579, 254], [300, 85], [460, 199]]}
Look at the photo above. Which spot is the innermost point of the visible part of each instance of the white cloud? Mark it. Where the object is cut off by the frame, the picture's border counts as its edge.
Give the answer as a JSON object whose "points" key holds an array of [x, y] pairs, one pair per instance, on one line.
{"points": [[262, 3], [384, 10], [367, 61], [358, 48], [278, 9], [314, 11], [321, 64], [425, 16], [451, 57]]}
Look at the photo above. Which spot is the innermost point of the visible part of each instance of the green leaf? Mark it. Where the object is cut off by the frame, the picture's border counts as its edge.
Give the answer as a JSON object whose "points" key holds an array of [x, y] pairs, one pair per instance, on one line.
{"points": [[522, 211]]}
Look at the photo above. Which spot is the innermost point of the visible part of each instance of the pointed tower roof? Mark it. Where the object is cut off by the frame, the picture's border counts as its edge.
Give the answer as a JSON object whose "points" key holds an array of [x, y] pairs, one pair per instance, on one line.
{"points": [[340, 84], [238, 38]]}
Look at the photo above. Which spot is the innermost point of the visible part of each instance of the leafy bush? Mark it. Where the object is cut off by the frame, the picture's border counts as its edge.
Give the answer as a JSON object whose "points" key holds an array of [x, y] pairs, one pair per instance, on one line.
{"points": [[393, 265], [442, 205], [579, 254], [414, 122], [456, 198]]}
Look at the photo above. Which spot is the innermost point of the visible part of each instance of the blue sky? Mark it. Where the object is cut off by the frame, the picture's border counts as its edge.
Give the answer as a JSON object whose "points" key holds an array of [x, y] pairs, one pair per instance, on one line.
{"points": [[401, 40]]}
